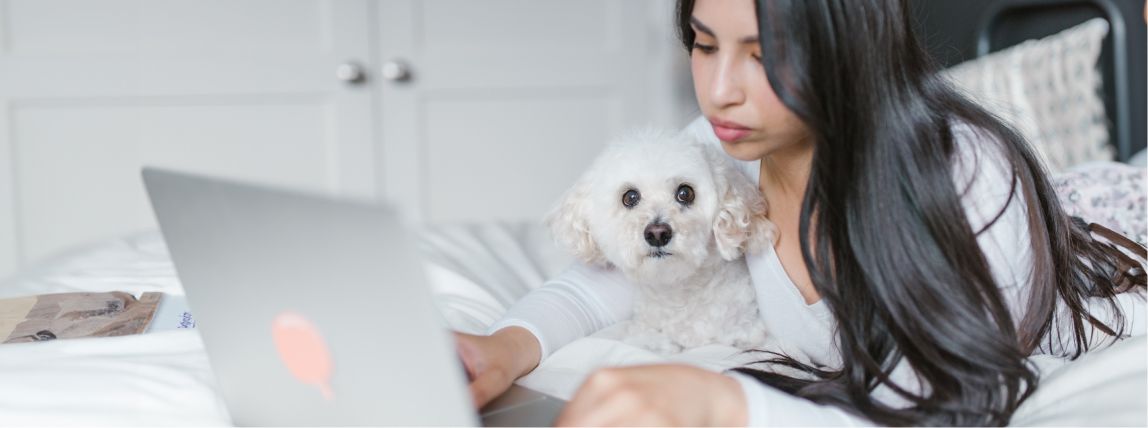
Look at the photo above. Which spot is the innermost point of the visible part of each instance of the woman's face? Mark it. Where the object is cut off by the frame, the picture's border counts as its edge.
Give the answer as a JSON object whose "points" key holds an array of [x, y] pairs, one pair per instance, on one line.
{"points": [[730, 82]]}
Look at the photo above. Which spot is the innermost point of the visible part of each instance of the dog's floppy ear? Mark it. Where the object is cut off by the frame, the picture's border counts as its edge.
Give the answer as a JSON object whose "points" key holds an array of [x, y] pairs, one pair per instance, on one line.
{"points": [[569, 223], [740, 225]]}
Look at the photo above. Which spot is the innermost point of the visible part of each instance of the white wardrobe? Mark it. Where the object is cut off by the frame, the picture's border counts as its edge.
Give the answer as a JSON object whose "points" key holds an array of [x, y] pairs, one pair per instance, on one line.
{"points": [[454, 110]]}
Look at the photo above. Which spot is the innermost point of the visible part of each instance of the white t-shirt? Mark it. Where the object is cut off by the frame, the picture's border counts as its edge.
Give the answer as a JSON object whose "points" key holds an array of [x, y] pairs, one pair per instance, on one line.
{"points": [[584, 299]]}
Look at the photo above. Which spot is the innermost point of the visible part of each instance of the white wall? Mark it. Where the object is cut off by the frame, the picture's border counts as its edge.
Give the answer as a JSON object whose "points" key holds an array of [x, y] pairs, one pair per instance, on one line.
{"points": [[92, 90]]}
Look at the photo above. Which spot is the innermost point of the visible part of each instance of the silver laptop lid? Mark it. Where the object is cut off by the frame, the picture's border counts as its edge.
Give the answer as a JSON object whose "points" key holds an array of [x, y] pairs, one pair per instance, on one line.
{"points": [[336, 285]]}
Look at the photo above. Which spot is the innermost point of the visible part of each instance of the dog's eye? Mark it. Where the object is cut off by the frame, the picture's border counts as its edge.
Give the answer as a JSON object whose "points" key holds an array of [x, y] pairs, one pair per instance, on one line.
{"points": [[685, 194], [631, 198]]}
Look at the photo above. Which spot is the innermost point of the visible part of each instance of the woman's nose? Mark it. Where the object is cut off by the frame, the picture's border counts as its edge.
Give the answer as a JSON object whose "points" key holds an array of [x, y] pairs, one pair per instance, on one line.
{"points": [[726, 89]]}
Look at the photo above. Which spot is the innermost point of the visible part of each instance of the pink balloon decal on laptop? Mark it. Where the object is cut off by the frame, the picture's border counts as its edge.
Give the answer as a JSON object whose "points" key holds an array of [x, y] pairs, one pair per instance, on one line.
{"points": [[303, 350]]}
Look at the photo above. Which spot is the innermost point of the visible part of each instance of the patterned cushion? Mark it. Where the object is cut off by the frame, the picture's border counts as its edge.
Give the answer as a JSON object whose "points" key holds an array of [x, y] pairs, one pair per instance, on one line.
{"points": [[1109, 193], [1049, 90]]}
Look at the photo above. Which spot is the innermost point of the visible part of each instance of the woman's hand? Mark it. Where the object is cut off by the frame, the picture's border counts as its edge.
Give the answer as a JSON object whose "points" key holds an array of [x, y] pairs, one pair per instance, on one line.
{"points": [[662, 395], [494, 362]]}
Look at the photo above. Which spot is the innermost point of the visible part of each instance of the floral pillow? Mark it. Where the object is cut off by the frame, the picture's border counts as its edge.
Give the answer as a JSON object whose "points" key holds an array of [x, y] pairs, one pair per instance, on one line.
{"points": [[1109, 193]]}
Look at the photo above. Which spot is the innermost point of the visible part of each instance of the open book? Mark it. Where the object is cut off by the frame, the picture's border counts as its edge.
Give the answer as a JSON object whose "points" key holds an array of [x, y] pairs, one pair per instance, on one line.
{"points": [[73, 315]]}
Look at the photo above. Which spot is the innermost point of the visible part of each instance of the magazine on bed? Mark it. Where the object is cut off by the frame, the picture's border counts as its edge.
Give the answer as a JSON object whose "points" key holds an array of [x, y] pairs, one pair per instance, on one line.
{"points": [[85, 314]]}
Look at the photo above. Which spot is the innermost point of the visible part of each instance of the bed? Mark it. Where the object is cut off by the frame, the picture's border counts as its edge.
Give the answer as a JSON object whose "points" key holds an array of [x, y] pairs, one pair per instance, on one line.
{"points": [[164, 378], [478, 270]]}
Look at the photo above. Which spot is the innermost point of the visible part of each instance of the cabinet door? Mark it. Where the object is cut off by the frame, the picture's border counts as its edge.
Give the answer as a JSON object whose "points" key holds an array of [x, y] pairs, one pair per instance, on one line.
{"points": [[498, 105], [91, 91]]}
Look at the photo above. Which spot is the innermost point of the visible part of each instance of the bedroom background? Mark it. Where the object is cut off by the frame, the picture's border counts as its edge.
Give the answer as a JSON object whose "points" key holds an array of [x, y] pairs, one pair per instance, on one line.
{"points": [[457, 110], [473, 116]]}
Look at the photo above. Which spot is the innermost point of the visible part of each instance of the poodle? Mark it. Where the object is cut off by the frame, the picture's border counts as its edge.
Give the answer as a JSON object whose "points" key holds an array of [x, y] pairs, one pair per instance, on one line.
{"points": [[675, 217]]}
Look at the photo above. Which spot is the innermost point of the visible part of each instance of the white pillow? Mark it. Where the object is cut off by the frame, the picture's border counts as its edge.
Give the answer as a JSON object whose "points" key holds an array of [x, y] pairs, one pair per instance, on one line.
{"points": [[1049, 90], [477, 271]]}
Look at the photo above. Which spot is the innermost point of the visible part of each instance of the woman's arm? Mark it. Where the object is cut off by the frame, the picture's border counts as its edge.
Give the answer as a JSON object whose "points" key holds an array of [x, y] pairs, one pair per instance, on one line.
{"points": [[767, 406], [578, 302], [681, 395]]}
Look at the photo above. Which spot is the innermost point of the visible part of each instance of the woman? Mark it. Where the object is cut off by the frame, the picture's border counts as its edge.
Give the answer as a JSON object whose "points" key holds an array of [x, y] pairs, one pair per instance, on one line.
{"points": [[928, 252]]}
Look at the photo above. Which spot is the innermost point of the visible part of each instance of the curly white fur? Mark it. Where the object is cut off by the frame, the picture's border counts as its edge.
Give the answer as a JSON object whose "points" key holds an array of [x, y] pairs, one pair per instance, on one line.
{"points": [[696, 289]]}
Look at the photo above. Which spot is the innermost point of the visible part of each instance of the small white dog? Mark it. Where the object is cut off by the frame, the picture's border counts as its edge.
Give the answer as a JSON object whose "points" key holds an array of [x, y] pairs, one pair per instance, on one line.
{"points": [[676, 218]]}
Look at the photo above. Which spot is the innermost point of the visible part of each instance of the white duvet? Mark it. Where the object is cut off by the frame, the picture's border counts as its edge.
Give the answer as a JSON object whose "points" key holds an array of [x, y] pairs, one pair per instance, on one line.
{"points": [[477, 271]]}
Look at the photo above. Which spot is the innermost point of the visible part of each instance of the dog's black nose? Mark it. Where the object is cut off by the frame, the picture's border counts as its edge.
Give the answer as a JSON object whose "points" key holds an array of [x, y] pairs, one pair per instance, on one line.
{"points": [[659, 234]]}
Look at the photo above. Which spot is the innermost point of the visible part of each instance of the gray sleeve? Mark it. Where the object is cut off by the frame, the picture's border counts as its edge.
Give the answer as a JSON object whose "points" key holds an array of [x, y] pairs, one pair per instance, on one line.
{"points": [[578, 302], [767, 406]]}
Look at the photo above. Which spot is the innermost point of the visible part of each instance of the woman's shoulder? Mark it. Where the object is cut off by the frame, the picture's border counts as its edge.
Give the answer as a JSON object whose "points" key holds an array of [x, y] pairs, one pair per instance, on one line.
{"points": [[700, 130]]}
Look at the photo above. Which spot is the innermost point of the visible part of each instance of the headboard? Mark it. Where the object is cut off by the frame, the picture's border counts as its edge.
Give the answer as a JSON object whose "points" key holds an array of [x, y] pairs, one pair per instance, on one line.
{"points": [[958, 30]]}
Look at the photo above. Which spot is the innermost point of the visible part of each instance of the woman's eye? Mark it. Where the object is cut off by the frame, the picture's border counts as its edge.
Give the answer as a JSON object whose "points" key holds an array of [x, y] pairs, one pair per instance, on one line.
{"points": [[631, 198], [685, 194], [704, 48]]}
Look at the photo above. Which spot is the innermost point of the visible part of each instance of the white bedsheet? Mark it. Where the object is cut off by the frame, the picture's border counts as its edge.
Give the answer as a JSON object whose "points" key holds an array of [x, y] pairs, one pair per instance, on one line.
{"points": [[477, 271], [150, 379]]}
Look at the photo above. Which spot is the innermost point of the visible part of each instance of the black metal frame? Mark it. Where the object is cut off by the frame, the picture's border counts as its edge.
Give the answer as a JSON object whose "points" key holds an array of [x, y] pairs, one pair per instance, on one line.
{"points": [[1119, 36], [960, 30]]}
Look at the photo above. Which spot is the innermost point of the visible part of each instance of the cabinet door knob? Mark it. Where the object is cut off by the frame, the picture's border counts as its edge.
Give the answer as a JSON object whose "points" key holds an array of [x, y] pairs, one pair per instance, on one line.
{"points": [[350, 72], [396, 70]]}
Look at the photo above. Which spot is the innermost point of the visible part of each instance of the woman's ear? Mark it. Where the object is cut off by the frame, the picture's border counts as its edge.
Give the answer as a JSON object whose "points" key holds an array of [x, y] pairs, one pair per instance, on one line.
{"points": [[569, 223], [740, 225]]}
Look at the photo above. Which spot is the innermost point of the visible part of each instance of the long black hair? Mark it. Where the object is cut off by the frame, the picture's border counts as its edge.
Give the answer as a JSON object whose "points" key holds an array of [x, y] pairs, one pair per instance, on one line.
{"points": [[883, 231]]}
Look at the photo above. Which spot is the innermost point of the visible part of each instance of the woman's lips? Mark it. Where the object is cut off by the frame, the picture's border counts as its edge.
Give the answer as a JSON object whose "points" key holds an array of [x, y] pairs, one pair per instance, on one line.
{"points": [[728, 131]]}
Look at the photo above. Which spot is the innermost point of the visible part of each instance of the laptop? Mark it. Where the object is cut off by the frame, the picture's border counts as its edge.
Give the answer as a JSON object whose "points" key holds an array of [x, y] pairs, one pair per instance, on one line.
{"points": [[315, 311]]}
